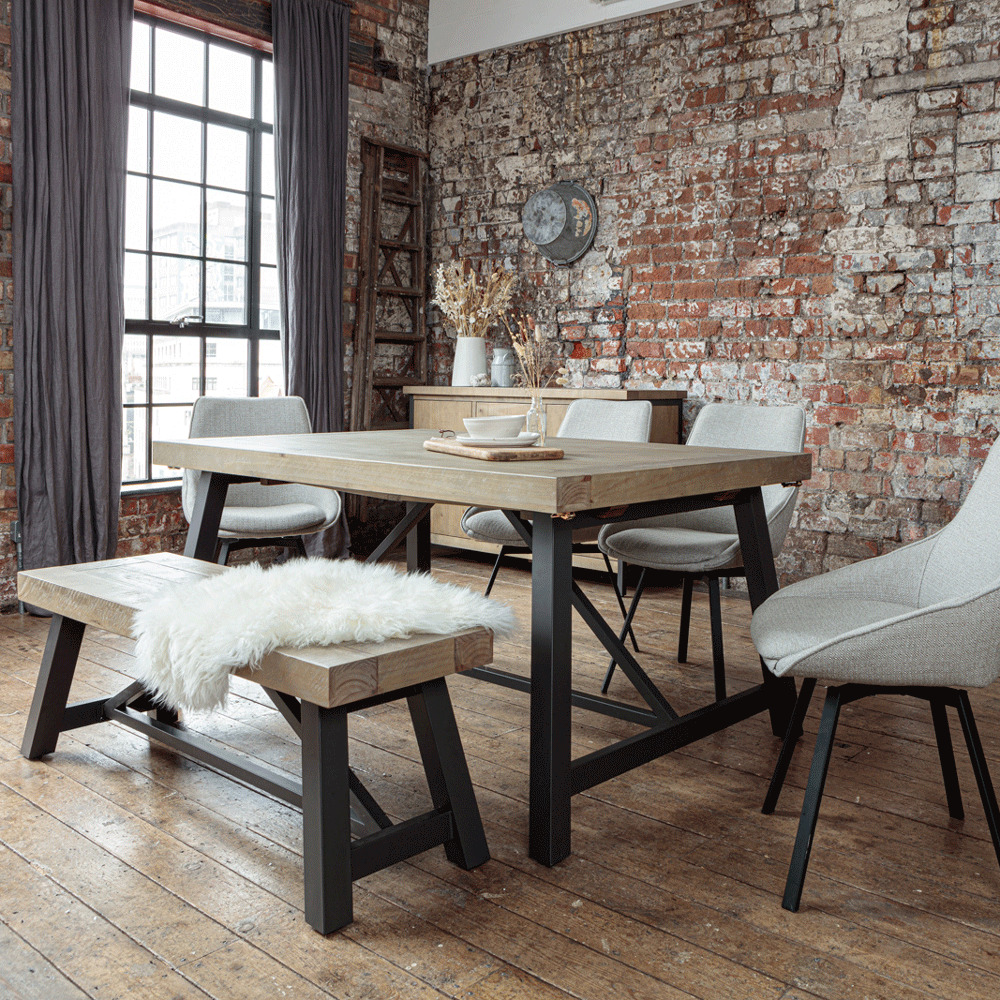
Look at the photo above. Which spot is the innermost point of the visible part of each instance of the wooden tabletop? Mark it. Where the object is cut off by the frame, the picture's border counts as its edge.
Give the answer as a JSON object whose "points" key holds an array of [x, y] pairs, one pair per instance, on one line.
{"points": [[553, 393], [394, 465]]}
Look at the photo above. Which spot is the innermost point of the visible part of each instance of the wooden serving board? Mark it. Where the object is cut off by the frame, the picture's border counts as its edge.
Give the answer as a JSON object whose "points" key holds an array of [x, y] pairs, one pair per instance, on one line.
{"points": [[529, 454]]}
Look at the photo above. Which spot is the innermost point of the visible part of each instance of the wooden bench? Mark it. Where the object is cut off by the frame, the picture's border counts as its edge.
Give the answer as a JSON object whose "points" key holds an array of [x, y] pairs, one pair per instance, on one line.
{"points": [[315, 689]]}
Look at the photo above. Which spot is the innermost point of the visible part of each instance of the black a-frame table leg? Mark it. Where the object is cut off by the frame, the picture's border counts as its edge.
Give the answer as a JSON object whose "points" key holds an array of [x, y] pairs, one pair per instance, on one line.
{"points": [[762, 582], [447, 773], [550, 784], [45, 719]]}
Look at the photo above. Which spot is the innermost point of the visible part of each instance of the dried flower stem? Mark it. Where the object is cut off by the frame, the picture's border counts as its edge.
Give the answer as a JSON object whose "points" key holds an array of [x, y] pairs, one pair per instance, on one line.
{"points": [[536, 355], [473, 307]]}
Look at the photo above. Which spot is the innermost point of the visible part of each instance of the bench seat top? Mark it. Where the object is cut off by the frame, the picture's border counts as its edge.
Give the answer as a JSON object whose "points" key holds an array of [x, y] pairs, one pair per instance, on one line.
{"points": [[107, 594]]}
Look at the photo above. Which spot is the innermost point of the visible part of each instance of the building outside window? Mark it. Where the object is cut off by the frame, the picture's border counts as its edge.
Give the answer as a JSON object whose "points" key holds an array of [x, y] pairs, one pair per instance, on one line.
{"points": [[201, 284]]}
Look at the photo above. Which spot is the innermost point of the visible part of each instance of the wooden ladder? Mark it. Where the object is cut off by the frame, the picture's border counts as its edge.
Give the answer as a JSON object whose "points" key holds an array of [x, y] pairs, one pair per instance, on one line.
{"points": [[390, 336]]}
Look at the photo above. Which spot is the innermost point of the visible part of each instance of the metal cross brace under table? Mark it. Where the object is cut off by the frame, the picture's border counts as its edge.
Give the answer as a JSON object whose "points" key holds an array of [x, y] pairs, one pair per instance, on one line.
{"points": [[554, 776]]}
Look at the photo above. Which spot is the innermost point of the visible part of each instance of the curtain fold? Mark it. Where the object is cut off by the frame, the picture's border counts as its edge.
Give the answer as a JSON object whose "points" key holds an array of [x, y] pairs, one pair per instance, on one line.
{"points": [[70, 79], [310, 139]]}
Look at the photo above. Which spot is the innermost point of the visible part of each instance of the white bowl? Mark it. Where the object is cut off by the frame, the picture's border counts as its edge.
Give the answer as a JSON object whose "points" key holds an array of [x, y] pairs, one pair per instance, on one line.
{"points": [[494, 427]]}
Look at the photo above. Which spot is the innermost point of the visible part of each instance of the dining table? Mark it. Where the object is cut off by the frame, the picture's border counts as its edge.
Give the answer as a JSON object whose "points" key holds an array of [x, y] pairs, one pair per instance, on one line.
{"points": [[593, 484]]}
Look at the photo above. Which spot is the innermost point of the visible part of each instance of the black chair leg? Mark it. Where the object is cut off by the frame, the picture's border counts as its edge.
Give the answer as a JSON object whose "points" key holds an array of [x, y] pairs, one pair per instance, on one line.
{"points": [[946, 752], [718, 654], [813, 797], [682, 635], [621, 602], [980, 768], [628, 622], [496, 569], [788, 747], [299, 545]]}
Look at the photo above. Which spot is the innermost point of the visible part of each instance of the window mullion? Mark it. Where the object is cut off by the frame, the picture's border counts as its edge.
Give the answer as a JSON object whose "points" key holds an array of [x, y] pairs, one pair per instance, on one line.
{"points": [[254, 233]]}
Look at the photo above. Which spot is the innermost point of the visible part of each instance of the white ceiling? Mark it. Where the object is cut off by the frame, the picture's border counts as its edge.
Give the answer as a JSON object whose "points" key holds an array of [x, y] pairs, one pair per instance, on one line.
{"points": [[461, 27]]}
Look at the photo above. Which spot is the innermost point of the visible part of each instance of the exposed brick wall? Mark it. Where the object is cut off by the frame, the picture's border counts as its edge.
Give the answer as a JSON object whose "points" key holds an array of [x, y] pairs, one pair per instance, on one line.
{"points": [[388, 101], [388, 108], [799, 202]]}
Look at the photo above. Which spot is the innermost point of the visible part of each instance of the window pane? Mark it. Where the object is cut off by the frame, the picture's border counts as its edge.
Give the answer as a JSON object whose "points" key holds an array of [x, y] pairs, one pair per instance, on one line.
{"points": [[267, 164], [134, 368], [176, 147], [135, 286], [136, 221], [138, 140], [268, 232], [226, 293], [225, 225], [171, 423], [176, 361], [267, 92], [270, 377], [180, 67], [227, 367], [230, 81], [176, 218], [133, 444], [269, 318], [227, 158], [176, 288], [140, 56]]}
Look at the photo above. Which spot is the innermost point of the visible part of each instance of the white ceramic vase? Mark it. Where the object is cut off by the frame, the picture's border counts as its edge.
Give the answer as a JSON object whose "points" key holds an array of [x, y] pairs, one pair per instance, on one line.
{"points": [[470, 359]]}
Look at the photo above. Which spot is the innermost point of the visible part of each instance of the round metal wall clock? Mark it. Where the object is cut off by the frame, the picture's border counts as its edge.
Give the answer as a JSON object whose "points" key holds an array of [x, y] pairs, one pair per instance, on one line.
{"points": [[561, 220]]}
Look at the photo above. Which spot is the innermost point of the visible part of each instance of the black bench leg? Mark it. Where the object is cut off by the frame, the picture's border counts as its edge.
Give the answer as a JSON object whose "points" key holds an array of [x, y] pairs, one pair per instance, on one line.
{"points": [[326, 818], [946, 752], [447, 773], [52, 689], [813, 797]]}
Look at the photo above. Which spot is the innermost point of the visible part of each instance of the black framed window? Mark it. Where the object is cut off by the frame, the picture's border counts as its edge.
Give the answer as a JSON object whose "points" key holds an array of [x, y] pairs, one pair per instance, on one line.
{"points": [[201, 284]]}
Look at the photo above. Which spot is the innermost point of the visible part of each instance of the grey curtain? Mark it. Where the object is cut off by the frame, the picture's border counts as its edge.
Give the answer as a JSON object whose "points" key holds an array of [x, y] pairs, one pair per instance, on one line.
{"points": [[310, 139], [69, 121]]}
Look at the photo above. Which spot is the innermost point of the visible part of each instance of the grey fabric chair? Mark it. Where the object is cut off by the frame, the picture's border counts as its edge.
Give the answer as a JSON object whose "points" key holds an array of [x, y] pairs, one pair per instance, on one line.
{"points": [[923, 620], [705, 544], [591, 419], [257, 515]]}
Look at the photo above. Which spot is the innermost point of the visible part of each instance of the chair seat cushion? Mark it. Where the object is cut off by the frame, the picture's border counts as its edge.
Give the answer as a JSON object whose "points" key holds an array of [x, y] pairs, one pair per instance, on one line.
{"points": [[680, 550], [271, 522], [487, 525], [785, 626]]}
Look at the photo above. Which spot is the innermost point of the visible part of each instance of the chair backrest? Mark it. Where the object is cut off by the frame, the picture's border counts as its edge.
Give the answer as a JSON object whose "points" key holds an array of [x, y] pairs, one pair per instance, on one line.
{"points": [[755, 428], [965, 554], [226, 416], [223, 416], [608, 420]]}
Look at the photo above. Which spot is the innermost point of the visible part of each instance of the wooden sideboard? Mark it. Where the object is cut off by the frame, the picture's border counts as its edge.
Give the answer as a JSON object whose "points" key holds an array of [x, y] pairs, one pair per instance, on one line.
{"points": [[438, 407]]}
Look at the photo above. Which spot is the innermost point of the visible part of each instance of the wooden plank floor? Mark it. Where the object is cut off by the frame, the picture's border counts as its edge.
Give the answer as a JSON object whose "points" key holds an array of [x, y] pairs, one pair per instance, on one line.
{"points": [[128, 871]]}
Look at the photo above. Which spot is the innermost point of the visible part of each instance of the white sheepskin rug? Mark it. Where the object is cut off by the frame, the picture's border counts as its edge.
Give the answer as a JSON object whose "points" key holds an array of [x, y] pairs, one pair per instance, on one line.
{"points": [[190, 637]]}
